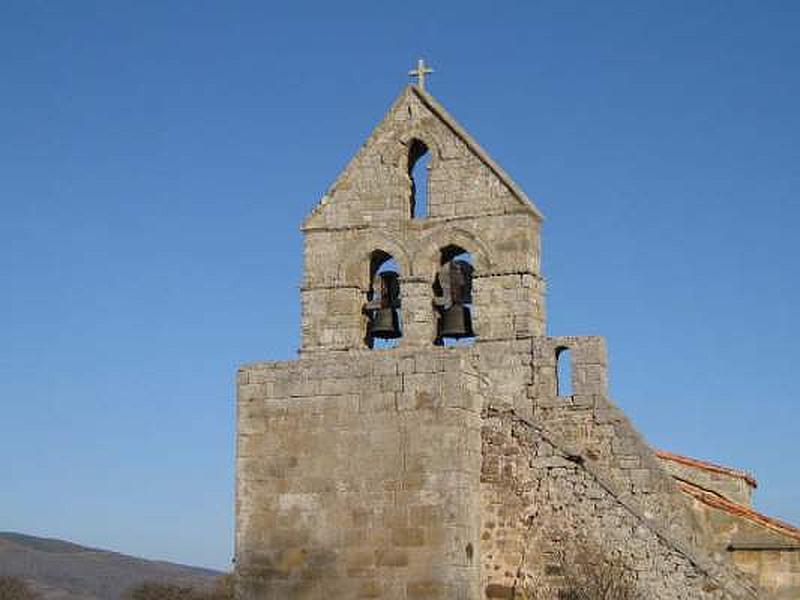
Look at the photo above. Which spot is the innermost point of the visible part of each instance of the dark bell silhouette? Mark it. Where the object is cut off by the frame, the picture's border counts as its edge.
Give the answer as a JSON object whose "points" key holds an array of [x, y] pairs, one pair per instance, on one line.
{"points": [[382, 309], [385, 324], [455, 283], [456, 322]]}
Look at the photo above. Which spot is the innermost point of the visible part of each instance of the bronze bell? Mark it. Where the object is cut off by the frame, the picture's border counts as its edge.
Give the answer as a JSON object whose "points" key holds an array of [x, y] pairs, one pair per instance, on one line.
{"points": [[385, 324], [456, 322]]}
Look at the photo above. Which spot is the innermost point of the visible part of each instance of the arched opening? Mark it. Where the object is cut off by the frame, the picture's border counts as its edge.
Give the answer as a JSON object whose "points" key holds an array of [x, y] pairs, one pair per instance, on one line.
{"points": [[452, 297], [418, 169], [383, 302], [563, 371]]}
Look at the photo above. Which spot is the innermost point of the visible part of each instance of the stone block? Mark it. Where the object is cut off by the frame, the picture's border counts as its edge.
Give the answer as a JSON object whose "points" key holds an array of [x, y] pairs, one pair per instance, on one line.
{"points": [[391, 557], [425, 589]]}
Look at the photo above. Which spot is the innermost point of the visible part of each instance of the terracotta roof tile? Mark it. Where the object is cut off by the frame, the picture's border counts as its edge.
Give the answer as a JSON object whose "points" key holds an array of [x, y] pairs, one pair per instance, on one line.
{"points": [[714, 500], [707, 466]]}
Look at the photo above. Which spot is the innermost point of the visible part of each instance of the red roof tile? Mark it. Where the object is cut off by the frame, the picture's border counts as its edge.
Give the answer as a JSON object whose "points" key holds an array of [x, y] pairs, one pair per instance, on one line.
{"points": [[707, 466], [714, 500]]}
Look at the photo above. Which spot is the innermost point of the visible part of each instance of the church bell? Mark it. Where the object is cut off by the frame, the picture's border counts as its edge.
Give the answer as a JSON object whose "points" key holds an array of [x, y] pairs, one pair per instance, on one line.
{"points": [[384, 319], [455, 287], [456, 322], [385, 324]]}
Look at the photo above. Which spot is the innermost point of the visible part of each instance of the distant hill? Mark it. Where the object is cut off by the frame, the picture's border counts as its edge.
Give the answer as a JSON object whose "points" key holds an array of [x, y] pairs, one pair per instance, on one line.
{"points": [[61, 570]]}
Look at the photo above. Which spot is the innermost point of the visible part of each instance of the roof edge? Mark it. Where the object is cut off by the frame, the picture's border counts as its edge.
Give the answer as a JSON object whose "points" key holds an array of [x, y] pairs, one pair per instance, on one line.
{"points": [[708, 466], [327, 194], [747, 546], [719, 502]]}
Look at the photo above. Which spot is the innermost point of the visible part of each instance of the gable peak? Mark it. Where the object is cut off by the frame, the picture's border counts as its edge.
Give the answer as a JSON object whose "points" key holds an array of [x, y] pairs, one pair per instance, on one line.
{"points": [[409, 118]]}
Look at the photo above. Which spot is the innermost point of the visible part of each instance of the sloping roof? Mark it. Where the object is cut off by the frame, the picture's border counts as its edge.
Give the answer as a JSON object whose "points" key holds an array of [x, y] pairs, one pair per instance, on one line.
{"points": [[475, 147], [707, 466], [719, 502]]}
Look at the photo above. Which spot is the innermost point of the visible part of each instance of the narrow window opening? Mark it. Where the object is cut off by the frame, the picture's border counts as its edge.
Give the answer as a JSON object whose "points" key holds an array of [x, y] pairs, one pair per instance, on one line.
{"points": [[383, 302], [563, 372], [452, 290], [418, 169]]}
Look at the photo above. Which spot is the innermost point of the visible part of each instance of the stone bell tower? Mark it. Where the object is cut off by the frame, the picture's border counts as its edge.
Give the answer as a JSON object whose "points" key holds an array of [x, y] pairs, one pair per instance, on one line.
{"points": [[368, 217], [400, 456]]}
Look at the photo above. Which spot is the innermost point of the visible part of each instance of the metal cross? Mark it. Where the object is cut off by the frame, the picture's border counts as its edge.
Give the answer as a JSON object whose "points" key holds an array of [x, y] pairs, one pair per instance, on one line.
{"points": [[420, 73]]}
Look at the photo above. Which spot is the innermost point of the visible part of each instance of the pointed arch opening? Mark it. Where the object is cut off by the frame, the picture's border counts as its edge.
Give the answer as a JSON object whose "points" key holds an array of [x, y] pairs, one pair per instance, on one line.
{"points": [[418, 170], [382, 308], [452, 292]]}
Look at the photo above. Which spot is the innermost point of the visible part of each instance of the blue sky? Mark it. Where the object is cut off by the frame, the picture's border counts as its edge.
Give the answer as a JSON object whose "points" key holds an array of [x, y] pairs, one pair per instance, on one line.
{"points": [[157, 158]]}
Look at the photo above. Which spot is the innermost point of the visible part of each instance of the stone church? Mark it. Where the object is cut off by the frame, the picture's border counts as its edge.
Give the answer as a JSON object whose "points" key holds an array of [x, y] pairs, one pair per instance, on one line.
{"points": [[423, 446]]}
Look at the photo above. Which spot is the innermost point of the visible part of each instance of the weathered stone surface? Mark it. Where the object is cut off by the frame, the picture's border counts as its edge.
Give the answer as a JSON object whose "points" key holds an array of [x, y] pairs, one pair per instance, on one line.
{"points": [[423, 471], [341, 490], [470, 205], [539, 499]]}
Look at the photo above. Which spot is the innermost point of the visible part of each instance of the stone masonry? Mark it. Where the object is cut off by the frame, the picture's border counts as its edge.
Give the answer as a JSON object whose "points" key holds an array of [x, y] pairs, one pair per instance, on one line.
{"points": [[445, 470], [762, 546]]}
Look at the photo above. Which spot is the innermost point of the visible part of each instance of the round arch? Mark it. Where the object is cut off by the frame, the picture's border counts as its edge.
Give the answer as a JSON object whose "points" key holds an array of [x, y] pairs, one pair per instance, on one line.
{"points": [[426, 259], [358, 267]]}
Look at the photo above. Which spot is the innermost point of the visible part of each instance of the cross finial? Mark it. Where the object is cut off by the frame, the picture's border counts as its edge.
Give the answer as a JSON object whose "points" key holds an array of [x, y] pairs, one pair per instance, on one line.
{"points": [[420, 73]]}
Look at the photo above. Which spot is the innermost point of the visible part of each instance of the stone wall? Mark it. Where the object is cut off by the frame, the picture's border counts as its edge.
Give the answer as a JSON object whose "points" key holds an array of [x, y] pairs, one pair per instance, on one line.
{"points": [[542, 503], [592, 426], [359, 478], [777, 570], [452, 473], [520, 378]]}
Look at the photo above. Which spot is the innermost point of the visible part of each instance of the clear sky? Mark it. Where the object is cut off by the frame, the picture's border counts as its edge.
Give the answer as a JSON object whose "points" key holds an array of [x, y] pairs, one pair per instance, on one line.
{"points": [[157, 158]]}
